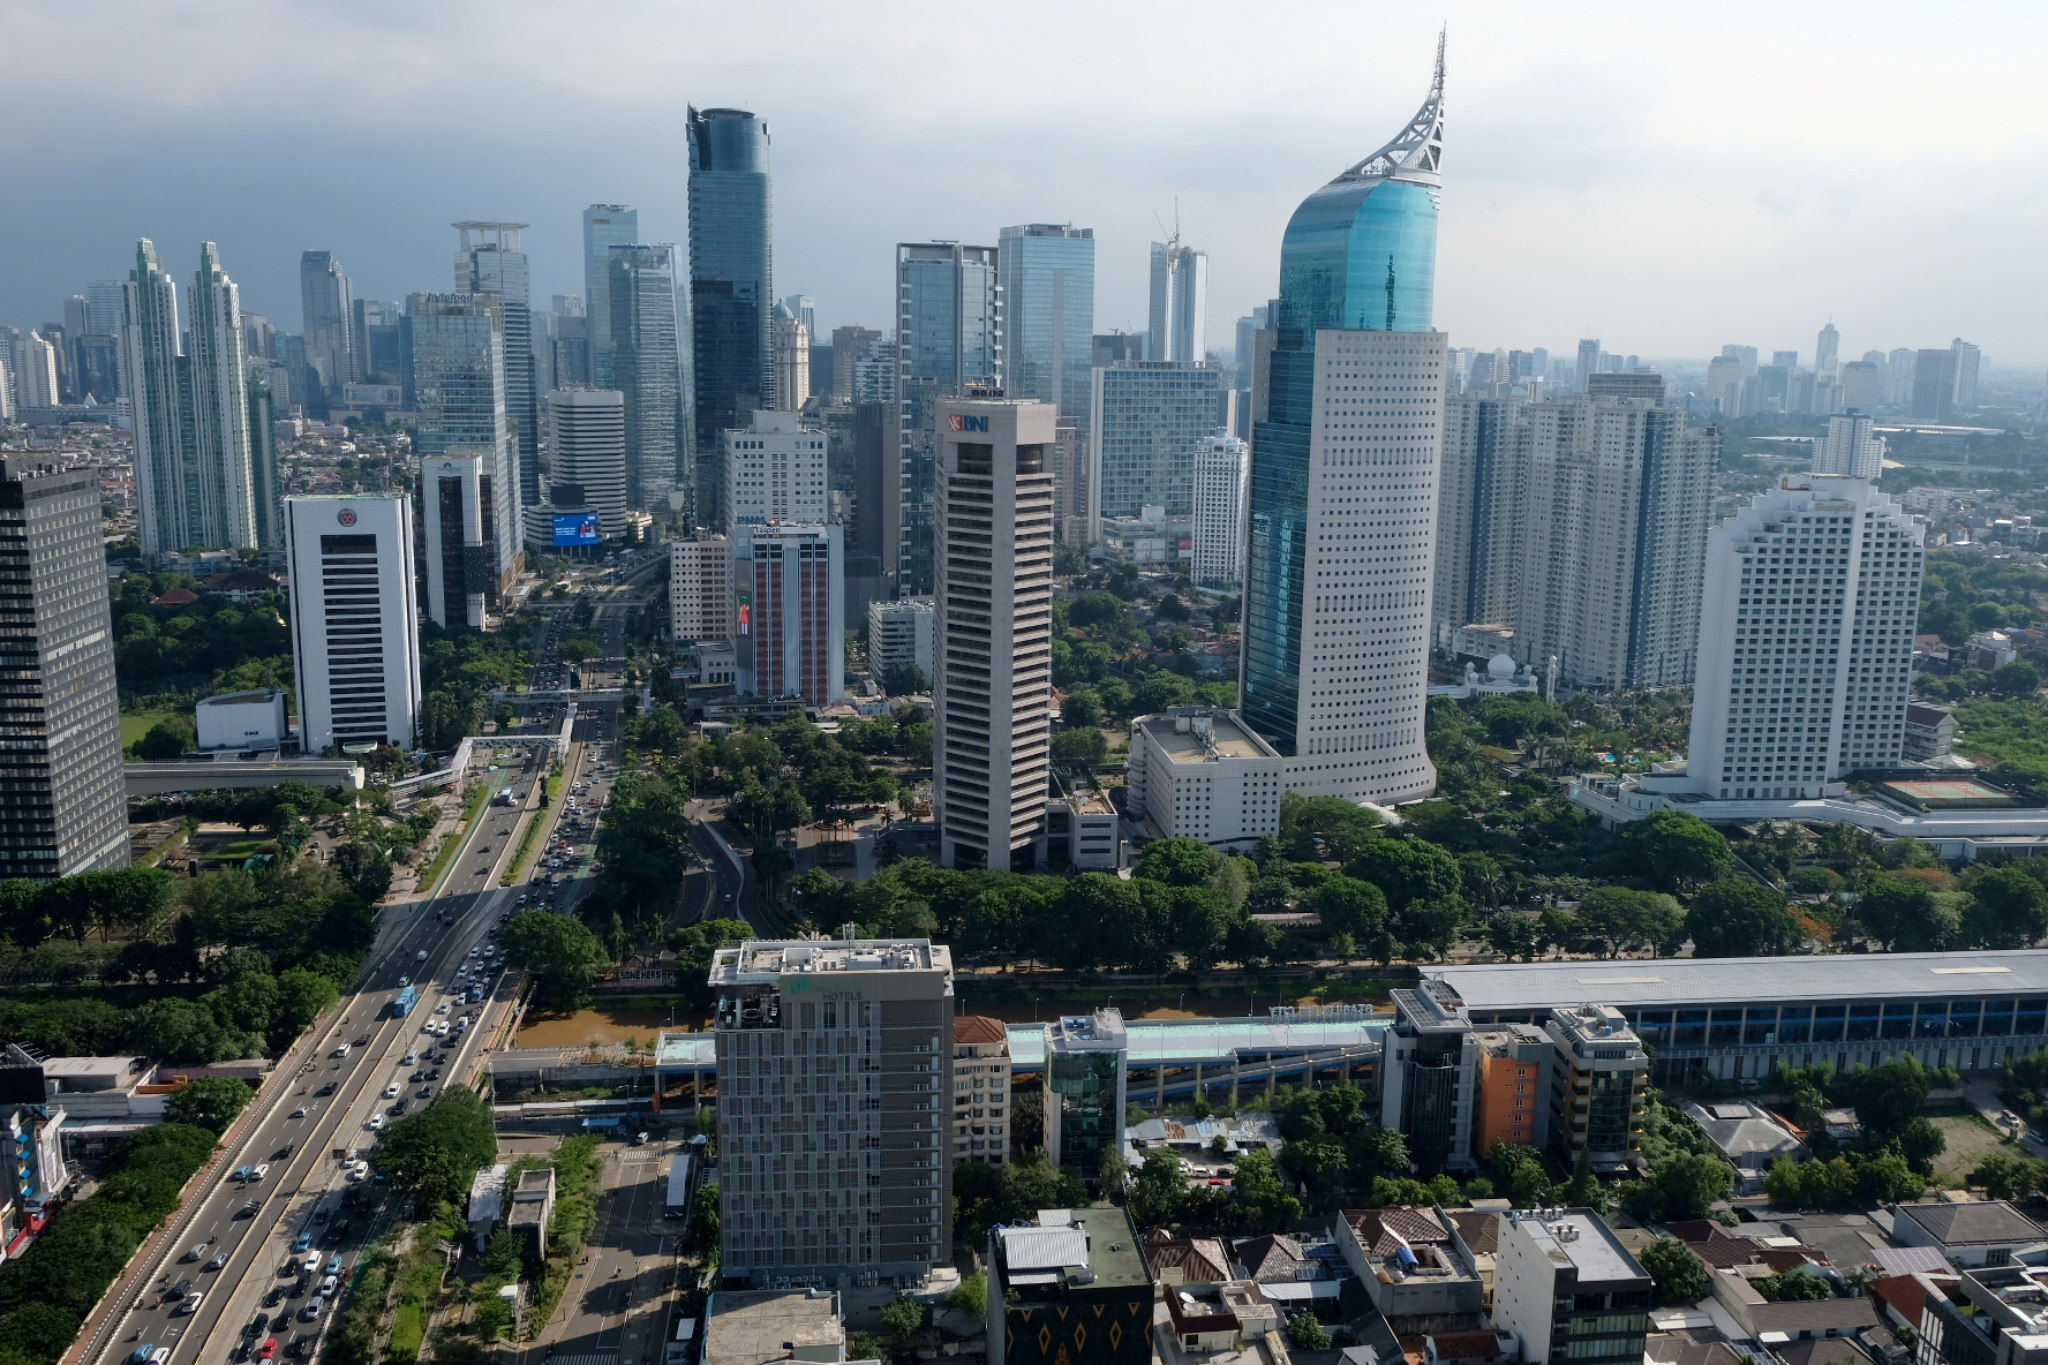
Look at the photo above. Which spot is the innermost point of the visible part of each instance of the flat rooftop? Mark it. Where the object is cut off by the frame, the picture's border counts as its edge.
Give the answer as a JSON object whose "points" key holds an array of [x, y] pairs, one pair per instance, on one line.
{"points": [[1764, 980], [1575, 1237], [1228, 738], [240, 698], [1100, 1240], [756, 1326], [771, 959]]}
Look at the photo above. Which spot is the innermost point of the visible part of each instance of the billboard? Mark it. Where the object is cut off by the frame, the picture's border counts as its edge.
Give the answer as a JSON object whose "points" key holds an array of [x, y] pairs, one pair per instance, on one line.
{"points": [[577, 528]]}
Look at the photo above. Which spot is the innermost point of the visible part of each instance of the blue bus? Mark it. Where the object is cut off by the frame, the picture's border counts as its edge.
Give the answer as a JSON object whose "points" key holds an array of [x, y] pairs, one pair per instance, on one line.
{"points": [[402, 1003]]}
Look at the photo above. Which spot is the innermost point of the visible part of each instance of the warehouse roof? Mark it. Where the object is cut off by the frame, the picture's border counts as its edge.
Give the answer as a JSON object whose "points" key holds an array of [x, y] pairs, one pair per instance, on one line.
{"points": [[1766, 980]]}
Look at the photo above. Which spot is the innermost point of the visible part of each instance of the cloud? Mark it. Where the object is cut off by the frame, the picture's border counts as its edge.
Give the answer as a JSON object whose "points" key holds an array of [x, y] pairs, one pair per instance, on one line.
{"points": [[1666, 178]]}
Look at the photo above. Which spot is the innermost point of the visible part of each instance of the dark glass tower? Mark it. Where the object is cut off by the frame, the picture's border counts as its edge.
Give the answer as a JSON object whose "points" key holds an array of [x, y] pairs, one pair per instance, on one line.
{"points": [[1347, 427], [731, 280]]}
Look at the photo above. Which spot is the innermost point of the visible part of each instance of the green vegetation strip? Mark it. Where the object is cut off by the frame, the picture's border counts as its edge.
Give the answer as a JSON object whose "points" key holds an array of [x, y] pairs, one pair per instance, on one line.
{"points": [[473, 803], [529, 839], [578, 1164]]}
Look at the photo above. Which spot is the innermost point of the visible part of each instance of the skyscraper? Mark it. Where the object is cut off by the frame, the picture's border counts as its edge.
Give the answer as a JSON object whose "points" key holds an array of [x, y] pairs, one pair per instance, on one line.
{"points": [[34, 364], [1047, 272], [731, 274], [1934, 385], [1222, 463], [355, 621], [1479, 523], [949, 338], [329, 318], [1968, 358], [789, 348], [1825, 348], [266, 479], [1806, 641], [1146, 421], [1180, 302], [862, 353], [1849, 448], [1589, 363], [647, 367], [491, 260], [192, 467], [1615, 505], [458, 363], [991, 738], [774, 470], [604, 226], [66, 808], [1347, 425], [587, 452], [456, 556], [1862, 387]]}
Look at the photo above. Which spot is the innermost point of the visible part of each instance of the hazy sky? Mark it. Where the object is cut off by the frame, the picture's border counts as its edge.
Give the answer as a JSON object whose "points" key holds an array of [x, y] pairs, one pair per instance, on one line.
{"points": [[1666, 177]]}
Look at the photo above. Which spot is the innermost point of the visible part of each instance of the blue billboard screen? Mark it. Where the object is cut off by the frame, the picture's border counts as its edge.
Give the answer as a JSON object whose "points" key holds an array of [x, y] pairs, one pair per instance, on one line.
{"points": [[576, 528]]}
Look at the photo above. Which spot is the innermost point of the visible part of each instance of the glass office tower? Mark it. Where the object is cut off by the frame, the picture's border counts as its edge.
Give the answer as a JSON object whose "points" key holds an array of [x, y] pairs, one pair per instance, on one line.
{"points": [[492, 260], [949, 340], [1347, 429], [647, 369], [1048, 277], [731, 280], [604, 226]]}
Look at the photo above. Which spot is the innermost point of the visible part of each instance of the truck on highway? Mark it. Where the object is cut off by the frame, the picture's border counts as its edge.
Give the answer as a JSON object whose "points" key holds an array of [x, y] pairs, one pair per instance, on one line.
{"points": [[402, 1003]]}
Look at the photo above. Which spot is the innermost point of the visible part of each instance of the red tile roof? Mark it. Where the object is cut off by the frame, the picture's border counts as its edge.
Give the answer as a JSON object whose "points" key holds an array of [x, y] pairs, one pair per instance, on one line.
{"points": [[978, 1028]]}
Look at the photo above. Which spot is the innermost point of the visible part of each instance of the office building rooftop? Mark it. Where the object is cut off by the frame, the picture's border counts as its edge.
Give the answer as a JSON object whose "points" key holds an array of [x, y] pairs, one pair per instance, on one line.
{"points": [[1670, 981], [1577, 1238], [768, 960]]}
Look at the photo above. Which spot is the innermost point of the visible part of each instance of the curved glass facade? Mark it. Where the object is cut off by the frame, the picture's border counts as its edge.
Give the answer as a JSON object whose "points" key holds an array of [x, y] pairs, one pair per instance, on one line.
{"points": [[1358, 256]]}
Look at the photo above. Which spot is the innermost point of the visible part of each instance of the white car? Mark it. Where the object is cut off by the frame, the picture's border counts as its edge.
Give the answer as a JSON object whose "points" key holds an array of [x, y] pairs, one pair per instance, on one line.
{"points": [[405, 981], [409, 1058], [462, 1023], [341, 1051], [391, 1090], [473, 952], [189, 1306], [441, 1008], [256, 1173], [376, 1123]]}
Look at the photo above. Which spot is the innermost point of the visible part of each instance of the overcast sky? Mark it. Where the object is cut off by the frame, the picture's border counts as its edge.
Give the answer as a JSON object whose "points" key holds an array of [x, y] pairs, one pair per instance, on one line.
{"points": [[1666, 177]]}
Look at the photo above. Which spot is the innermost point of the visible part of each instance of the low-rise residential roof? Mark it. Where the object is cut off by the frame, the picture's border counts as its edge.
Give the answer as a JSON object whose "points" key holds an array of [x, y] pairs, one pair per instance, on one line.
{"points": [[1985, 1222], [1383, 1231]]}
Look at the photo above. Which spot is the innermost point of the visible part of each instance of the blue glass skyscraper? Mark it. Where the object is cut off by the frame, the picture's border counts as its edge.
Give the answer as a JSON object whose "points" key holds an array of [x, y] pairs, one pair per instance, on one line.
{"points": [[1347, 429], [604, 227], [731, 275], [1047, 272]]}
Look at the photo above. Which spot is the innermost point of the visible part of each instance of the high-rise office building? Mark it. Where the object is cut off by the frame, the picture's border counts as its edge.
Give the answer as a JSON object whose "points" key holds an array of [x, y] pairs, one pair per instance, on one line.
{"points": [[1806, 641], [355, 621], [458, 362], [949, 339], [379, 337], [904, 631], [863, 366], [492, 260], [66, 808], [1073, 492], [991, 736], [700, 596], [1745, 356], [1347, 425], [587, 452], [604, 226], [1968, 359], [1725, 386], [731, 270], [1248, 328], [1862, 386], [804, 309], [329, 322], [33, 363], [570, 341], [1567, 1287], [1479, 522], [192, 465], [647, 367], [789, 350], [1849, 448], [455, 555], [834, 1108], [1616, 502], [789, 590], [103, 307], [1222, 466], [1588, 363], [266, 476], [1179, 322], [1146, 421], [6, 390], [1899, 365], [1934, 385], [1825, 348], [1785, 360], [1047, 271], [774, 471]]}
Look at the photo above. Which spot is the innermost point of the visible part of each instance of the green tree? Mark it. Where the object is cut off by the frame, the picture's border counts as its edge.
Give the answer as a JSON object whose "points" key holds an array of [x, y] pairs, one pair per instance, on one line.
{"points": [[1261, 1200], [174, 1030], [1677, 849], [901, 1317], [564, 957], [165, 742], [1159, 1190], [1621, 918], [905, 680], [1178, 862], [1681, 1276], [302, 994], [2009, 1175], [2016, 679], [436, 1152], [209, 1102], [1307, 1333], [1350, 906], [1683, 1185], [1081, 708], [1080, 744], [2008, 909], [970, 1296], [1408, 870], [1736, 917], [1902, 914], [366, 867]]}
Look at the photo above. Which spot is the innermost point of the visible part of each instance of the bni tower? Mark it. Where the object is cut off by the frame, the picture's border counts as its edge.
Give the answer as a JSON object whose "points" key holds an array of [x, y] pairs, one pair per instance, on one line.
{"points": [[1347, 421]]}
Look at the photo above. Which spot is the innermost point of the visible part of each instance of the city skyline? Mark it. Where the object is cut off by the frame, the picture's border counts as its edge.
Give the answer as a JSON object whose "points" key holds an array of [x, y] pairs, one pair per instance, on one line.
{"points": [[1768, 196]]}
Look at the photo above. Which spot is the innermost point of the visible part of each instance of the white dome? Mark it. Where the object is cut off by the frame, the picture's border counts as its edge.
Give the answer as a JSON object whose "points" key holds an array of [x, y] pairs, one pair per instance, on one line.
{"points": [[1500, 666]]}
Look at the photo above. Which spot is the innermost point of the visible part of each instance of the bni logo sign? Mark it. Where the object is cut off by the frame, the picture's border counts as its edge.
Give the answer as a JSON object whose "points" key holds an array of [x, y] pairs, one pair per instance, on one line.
{"points": [[346, 516], [961, 421]]}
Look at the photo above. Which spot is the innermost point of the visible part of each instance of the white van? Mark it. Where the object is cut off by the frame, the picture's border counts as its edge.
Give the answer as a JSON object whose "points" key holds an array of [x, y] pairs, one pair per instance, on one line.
{"points": [[341, 1051]]}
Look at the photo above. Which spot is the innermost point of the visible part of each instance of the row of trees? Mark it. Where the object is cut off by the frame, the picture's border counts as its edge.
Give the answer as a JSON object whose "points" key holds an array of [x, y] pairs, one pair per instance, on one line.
{"points": [[177, 653], [458, 671]]}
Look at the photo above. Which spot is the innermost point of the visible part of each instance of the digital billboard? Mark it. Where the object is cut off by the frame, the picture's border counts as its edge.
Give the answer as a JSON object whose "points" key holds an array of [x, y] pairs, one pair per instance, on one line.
{"points": [[577, 528]]}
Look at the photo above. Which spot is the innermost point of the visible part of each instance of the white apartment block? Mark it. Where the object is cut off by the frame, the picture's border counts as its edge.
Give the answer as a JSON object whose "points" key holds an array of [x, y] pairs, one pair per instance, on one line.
{"points": [[1617, 496], [1849, 448], [700, 590], [981, 1090], [1200, 773], [774, 471], [355, 621], [902, 632], [1806, 641], [1222, 468], [992, 692], [835, 1109]]}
